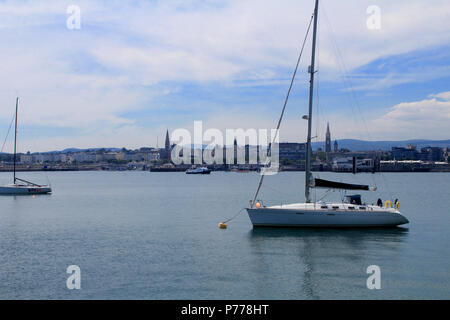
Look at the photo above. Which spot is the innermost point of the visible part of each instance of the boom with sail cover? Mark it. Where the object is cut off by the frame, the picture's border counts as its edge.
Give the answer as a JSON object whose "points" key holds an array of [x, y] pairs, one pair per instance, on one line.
{"points": [[321, 183]]}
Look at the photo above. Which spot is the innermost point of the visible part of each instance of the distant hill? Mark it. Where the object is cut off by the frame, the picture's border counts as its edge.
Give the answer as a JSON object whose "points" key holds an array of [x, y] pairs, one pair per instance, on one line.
{"points": [[73, 150], [361, 145]]}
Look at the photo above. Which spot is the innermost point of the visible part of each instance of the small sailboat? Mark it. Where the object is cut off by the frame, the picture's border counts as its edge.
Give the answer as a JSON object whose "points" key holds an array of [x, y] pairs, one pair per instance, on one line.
{"points": [[349, 213], [21, 186]]}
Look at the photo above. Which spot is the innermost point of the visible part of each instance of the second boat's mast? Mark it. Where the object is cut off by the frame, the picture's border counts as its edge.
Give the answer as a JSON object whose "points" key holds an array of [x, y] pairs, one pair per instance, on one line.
{"points": [[15, 141], [311, 93]]}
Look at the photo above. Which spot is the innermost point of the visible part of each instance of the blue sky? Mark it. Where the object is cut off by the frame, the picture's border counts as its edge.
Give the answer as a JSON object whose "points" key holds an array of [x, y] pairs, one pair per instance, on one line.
{"points": [[135, 68]]}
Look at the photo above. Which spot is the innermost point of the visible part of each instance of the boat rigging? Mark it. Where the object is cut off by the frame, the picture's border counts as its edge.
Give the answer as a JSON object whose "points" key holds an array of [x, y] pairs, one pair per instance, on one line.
{"points": [[352, 213]]}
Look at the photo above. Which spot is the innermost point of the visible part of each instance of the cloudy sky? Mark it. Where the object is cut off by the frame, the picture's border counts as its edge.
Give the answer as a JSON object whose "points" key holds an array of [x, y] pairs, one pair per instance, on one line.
{"points": [[135, 68]]}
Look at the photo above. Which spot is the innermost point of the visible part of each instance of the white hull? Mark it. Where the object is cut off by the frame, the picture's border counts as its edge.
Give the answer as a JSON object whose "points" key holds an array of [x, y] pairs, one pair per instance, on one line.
{"points": [[24, 189], [313, 215]]}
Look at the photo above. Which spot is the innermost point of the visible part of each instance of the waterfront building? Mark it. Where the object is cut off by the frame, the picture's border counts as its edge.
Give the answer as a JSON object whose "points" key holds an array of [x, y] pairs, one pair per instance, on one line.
{"points": [[130, 155], [342, 164], [66, 158], [336, 149], [345, 164], [292, 151], [401, 153], [154, 155], [411, 153], [26, 158], [46, 157], [32, 158], [110, 156], [431, 154], [84, 157]]}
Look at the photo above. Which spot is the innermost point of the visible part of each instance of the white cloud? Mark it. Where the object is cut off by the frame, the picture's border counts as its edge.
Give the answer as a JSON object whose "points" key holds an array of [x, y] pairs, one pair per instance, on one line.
{"points": [[237, 38], [425, 119], [428, 118], [89, 78], [420, 74], [443, 95]]}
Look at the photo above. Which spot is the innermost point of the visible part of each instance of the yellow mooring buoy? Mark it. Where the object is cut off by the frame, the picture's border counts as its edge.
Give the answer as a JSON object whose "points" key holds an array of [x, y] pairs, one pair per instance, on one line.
{"points": [[222, 225]]}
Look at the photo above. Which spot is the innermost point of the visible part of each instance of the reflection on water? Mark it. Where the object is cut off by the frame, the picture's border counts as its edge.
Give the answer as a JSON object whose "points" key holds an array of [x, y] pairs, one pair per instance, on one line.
{"points": [[314, 247], [347, 233]]}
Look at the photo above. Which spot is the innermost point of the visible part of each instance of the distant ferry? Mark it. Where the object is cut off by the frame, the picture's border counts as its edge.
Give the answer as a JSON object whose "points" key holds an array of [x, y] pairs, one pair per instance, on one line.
{"points": [[199, 170]]}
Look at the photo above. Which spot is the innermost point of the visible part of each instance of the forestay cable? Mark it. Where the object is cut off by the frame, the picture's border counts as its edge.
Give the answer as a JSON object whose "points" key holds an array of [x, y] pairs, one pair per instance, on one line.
{"points": [[7, 134], [282, 111]]}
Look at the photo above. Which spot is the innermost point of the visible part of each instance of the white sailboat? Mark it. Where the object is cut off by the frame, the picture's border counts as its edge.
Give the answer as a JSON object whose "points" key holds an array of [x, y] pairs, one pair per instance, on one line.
{"points": [[21, 186], [349, 213]]}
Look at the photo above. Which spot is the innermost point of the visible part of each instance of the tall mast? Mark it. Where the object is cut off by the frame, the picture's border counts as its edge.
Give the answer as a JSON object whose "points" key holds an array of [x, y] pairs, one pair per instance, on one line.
{"points": [[311, 93], [15, 140]]}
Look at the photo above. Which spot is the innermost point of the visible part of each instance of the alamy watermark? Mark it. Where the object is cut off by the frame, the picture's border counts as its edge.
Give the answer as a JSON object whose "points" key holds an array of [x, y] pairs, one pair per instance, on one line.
{"points": [[74, 280], [374, 280], [374, 20], [73, 21], [236, 146]]}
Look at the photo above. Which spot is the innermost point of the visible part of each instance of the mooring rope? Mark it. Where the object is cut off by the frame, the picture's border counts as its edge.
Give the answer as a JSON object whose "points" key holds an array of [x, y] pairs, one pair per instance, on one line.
{"points": [[228, 220]]}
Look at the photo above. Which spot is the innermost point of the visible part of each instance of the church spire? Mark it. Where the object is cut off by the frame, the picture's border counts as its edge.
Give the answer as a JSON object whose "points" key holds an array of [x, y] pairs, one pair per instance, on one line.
{"points": [[167, 147], [328, 139]]}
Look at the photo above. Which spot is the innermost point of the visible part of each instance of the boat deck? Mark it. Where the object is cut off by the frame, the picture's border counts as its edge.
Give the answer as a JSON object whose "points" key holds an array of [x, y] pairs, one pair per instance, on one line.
{"points": [[332, 206]]}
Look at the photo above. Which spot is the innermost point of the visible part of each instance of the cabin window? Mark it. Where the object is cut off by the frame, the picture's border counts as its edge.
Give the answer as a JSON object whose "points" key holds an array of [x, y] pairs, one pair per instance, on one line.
{"points": [[362, 208], [351, 208], [335, 207], [324, 207]]}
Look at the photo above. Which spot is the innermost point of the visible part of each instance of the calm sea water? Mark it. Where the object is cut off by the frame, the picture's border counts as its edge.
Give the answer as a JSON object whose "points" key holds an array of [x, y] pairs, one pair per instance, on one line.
{"points": [[142, 235]]}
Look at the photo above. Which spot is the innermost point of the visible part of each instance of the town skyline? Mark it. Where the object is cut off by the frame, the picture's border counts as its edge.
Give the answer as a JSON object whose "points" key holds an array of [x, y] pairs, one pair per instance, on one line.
{"points": [[291, 157], [384, 145]]}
